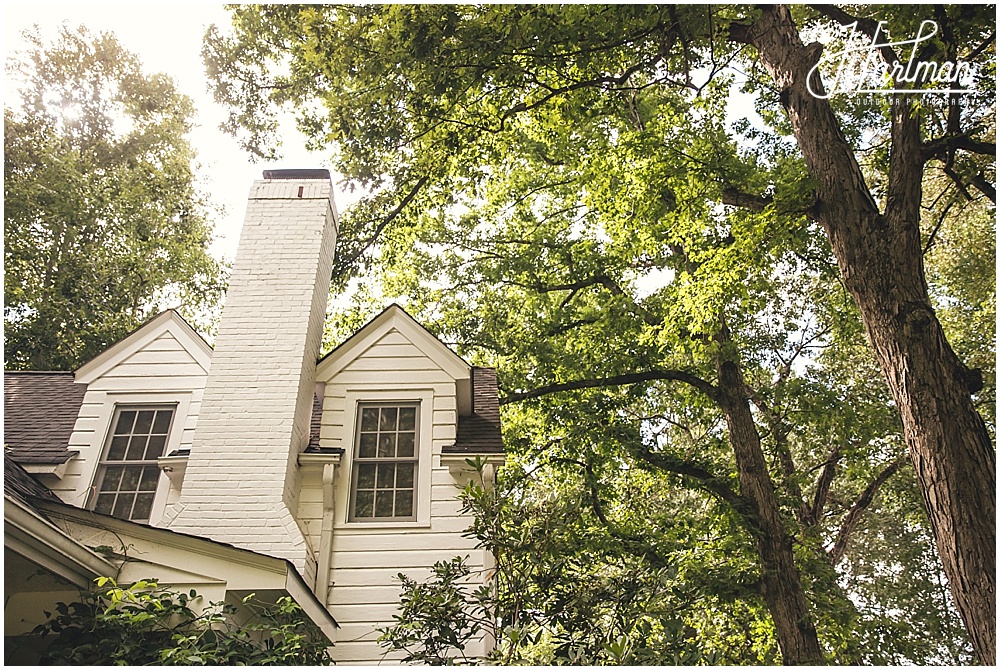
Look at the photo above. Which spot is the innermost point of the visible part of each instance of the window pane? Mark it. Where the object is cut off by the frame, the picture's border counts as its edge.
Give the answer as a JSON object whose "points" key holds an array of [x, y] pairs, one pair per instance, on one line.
{"points": [[150, 475], [405, 445], [404, 503], [364, 504], [143, 422], [387, 445], [143, 505], [125, 421], [112, 476], [386, 475], [407, 418], [136, 448], [130, 480], [105, 503], [123, 506], [366, 476], [117, 450], [367, 446], [387, 421], [383, 503], [162, 422], [369, 419], [155, 447], [404, 476]]}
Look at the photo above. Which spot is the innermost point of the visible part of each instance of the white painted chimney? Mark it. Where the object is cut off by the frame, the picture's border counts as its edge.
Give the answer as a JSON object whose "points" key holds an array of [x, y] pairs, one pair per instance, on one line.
{"points": [[240, 484]]}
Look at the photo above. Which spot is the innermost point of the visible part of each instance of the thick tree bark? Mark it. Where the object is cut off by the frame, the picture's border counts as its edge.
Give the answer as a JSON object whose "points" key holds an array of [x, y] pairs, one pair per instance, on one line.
{"points": [[882, 266], [781, 586]]}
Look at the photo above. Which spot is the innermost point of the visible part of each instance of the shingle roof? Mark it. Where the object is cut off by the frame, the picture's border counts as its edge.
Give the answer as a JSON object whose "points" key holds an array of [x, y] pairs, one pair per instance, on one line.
{"points": [[316, 418], [40, 410], [18, 484], [479, 433]]}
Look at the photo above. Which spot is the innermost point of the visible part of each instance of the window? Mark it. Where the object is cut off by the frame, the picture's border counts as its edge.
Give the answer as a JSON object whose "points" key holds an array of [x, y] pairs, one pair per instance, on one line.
{"points": [[127, 476], [383, 482]]}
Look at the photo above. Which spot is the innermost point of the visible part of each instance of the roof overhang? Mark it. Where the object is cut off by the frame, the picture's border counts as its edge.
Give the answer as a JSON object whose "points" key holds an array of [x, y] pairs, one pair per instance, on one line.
{"points": [[241, 569], [40, 541]]}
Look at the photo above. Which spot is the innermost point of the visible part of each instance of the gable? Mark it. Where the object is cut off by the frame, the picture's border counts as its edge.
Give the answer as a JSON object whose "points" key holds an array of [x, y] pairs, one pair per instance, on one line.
{"points": [[164, 346], [393, 338]]}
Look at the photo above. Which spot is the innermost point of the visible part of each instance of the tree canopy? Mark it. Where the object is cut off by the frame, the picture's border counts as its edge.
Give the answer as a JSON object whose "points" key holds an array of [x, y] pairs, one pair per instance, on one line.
{"points": [[718, 337], [103, 222]]}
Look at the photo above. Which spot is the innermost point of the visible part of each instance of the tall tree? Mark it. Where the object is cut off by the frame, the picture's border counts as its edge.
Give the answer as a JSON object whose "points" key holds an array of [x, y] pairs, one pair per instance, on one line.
{"points": [[428, 106], [103, 222]]}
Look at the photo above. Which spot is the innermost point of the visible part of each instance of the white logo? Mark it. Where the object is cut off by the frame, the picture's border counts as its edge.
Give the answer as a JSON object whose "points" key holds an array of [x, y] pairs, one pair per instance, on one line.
{"points": [[859, 67]]}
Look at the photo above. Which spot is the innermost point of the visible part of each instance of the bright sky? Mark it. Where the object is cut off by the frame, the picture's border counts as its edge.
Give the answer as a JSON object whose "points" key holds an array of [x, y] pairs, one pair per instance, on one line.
{"points": [[167, 38]]}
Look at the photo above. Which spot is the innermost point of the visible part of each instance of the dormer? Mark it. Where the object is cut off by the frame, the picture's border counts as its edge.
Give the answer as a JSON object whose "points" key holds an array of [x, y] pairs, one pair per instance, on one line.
{"points": [[398, 403]]}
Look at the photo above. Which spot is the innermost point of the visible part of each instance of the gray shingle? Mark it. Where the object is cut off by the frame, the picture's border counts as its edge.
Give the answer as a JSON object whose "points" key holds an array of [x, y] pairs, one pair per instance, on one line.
{"points": [[479, 433], [40, 410], [18, 484]]}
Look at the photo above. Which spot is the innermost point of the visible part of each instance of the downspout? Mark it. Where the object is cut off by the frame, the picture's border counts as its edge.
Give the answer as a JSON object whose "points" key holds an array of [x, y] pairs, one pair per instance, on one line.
{"points": [[322, 589]]}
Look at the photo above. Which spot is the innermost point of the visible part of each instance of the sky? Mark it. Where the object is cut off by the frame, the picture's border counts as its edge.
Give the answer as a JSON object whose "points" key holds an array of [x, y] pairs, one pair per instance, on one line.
{"points": [[167, 38]]}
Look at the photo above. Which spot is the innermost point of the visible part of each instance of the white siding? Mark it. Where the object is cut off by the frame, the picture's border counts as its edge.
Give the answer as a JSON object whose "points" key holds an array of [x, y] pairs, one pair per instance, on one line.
{"points": [[366, 557], [161, 371]]}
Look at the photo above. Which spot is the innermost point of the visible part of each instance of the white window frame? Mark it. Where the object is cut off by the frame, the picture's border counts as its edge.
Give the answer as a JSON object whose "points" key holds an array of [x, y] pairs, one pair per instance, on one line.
{"points": [[95, 430], [393, 460], [424, 399], [103, 463]]}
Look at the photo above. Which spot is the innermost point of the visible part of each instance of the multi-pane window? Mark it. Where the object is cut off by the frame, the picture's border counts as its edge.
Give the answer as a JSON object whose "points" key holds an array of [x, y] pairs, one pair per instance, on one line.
{"points": [[385, 463], [126, 482]]}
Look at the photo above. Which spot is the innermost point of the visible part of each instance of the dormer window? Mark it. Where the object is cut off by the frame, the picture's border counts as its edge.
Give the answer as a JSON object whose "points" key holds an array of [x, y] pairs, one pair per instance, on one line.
{"points": [[383, 482], [128, 472]]}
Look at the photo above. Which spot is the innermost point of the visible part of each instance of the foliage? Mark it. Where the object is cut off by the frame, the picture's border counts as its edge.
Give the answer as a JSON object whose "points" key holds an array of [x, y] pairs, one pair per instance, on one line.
{"points": [[104, 224], [559, 593], [568, 194], [438, 619], [146, 624]]}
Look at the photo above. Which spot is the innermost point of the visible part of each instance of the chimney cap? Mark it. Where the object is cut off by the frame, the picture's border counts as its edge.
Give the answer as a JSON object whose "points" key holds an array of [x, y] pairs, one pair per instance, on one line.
{"points": [[297, 174]]}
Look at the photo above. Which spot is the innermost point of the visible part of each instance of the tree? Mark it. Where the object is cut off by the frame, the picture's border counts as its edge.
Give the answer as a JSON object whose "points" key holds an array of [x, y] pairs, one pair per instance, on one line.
{"points": [[103, 222], [596, 138], [146, 624]]}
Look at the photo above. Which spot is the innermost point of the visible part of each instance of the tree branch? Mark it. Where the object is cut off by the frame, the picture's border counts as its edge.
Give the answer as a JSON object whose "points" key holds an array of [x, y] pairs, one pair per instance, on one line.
{"points": [[707, 480], [737, 198], [941, 145], [869, 27], [619, 380], [853, 517], [823, 487], [392, 216]]}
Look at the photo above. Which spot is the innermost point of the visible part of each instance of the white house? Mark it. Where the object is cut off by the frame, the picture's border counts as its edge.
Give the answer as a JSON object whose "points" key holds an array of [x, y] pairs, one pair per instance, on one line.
{"points": [[251, 467]]}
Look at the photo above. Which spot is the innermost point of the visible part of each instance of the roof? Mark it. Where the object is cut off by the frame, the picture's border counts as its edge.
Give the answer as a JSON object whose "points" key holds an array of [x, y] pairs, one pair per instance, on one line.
{"points": [[21, 486], [480, 433], [40, 410]]}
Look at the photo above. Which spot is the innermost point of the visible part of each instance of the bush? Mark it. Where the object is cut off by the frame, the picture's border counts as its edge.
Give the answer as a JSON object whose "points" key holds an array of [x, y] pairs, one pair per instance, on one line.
{"points": [[146, 624]]}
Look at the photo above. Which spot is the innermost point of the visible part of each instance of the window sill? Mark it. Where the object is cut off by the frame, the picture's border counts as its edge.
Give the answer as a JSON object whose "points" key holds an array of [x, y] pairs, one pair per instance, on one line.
{"points": [[382, 525]]}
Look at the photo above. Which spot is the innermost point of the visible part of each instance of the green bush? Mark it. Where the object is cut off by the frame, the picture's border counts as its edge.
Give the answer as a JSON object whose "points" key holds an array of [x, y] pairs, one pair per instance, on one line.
{"points": [[146, 624]]}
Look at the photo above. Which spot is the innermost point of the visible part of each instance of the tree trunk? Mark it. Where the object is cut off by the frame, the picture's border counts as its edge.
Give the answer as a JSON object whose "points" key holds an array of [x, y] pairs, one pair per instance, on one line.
{"points": [[882, 266], [781, 586]]}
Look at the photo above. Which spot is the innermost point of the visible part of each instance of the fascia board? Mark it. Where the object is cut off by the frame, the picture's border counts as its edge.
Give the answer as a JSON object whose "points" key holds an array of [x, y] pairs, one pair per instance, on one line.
{"points": [[38, 540], [190, 543], [168, 321], [300, 593]]}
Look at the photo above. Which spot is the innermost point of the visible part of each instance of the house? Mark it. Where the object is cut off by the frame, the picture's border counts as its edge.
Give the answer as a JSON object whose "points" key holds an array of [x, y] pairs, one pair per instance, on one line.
{"points": [[251, 467]]}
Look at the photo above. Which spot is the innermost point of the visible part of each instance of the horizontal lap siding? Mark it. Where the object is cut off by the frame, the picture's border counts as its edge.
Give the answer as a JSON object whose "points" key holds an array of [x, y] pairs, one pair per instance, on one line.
{"points": [[364, 591], [161, 365]]}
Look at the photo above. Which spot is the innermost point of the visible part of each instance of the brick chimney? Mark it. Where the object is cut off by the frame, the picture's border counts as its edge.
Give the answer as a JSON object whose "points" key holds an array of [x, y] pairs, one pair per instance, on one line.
{"points": [[240, 484]]}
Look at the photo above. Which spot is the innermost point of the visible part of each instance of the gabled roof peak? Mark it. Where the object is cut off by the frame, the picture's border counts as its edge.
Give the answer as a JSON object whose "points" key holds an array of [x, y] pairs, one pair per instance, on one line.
{"points": [[392, 317]]}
